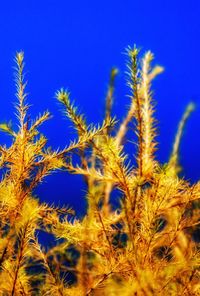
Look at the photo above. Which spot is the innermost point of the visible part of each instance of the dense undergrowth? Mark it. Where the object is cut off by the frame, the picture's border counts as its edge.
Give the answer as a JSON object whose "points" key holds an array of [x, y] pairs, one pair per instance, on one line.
{"points": [[145, 247]]}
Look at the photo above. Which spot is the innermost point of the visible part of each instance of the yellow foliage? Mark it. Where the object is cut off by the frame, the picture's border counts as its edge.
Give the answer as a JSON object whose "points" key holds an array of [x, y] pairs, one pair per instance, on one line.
{"points": [[144, 247]]}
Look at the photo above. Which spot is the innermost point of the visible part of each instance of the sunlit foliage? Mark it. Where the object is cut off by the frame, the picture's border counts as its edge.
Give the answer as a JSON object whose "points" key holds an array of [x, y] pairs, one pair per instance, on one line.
{"points": [[147, 246]]}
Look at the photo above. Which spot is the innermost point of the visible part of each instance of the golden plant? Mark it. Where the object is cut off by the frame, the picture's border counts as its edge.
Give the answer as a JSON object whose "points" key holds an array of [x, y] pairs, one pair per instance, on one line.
{"points": [[144, 247]]}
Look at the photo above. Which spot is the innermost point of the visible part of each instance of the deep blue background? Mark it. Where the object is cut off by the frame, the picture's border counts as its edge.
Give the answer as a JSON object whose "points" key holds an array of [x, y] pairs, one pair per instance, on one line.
{"points": [[74, 44]]}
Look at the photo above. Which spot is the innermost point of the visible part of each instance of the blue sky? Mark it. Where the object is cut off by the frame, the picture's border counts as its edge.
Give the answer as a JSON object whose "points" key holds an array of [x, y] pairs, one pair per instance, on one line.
{"points": [[74, 44]]}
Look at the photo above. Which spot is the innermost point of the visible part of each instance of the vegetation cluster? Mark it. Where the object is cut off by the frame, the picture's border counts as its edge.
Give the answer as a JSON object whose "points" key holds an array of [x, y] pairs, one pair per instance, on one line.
{"points": [[145, 246]]}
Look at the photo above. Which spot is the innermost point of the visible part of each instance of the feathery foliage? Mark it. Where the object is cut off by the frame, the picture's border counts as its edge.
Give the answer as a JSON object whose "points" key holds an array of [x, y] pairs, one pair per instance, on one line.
{"points": [[144, 247]]}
